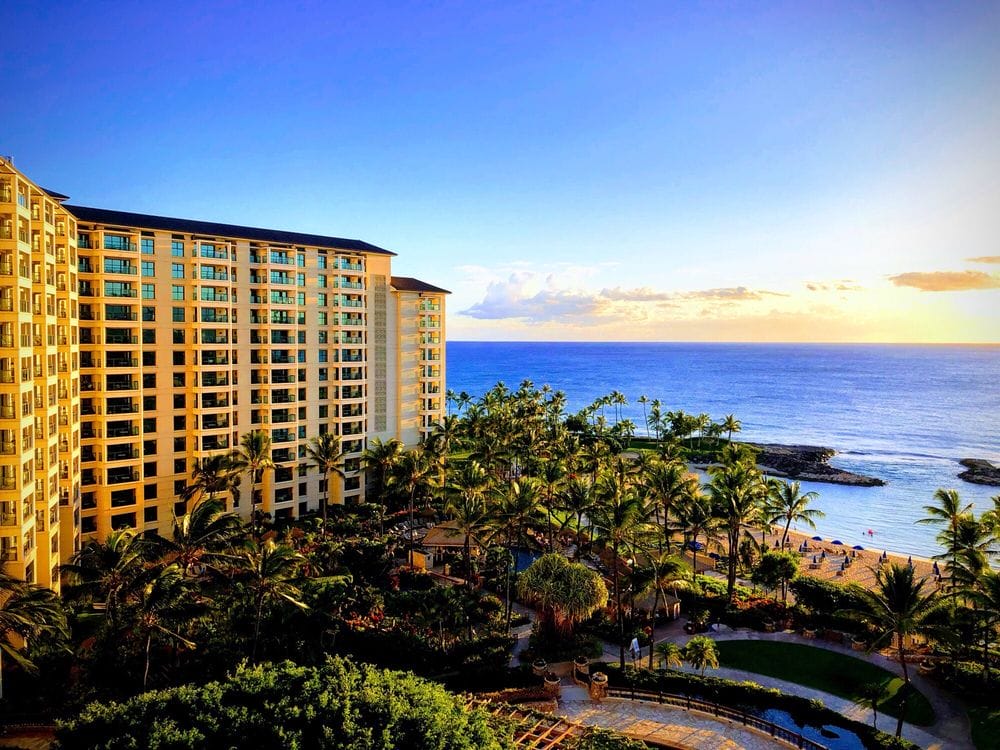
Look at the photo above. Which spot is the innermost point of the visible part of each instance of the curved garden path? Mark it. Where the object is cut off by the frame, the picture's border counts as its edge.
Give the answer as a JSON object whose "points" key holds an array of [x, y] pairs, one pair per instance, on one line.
{"points": [[951, 729]]}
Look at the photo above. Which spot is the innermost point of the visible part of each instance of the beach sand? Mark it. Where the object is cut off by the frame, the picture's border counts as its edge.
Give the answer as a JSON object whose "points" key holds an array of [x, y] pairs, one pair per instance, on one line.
{"points": [[861, 570]]}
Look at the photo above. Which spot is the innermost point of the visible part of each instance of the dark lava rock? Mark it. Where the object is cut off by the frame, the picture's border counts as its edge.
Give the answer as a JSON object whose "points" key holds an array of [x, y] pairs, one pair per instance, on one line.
{"points": [[980, 471], [809, 463]]}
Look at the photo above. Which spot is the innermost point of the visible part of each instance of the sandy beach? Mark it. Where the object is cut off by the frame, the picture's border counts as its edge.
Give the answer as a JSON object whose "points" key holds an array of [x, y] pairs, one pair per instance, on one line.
{"points": [[860, 570]]}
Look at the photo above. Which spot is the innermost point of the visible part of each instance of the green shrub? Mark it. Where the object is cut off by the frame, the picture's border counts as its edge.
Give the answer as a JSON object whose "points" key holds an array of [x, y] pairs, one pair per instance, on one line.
{"points": [[337, 706]]}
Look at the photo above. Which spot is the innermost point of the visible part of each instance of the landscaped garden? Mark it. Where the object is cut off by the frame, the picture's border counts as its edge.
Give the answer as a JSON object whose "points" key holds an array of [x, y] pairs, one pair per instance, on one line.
{"points": [[829, 671]]}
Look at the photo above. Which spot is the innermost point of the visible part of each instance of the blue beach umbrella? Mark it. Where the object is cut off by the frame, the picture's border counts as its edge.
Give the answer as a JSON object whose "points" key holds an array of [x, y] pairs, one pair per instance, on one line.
{"points": [[858, 547], [836, 541], [817, 539]]}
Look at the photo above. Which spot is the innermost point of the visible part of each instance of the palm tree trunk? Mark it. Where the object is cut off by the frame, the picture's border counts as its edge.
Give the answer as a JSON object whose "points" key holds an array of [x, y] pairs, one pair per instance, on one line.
{"points": [[731, 573], [618, 604], [256, 628], [784, 537], [145, 674]]}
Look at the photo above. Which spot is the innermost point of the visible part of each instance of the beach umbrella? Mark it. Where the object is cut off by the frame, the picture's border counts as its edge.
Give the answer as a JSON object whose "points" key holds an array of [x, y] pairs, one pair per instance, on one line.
{"points": [[858, 547], [836, 541], [817, 539]]}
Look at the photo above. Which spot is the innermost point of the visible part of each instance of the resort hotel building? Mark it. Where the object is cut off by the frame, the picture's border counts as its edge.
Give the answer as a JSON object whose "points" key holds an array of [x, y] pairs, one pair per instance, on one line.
{"points": [[132, 346]]}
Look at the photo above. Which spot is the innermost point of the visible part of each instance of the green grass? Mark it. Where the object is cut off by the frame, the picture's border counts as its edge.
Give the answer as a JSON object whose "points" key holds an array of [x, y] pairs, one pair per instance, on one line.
{"points": [[829, 671], [985, 727]]}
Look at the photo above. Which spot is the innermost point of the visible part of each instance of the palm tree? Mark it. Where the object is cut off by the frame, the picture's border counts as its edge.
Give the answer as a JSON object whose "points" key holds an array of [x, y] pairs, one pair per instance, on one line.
{"points": [[269, 570], [411, 474], [870, 695], [578, 498], [696, 517], [736, 490], [670, 484], [552, 475], [27, 613], [254, 456], [786, 503], [518, 509], [324, 453], [671, 655], [107, 573], [644, 399], [212, 475], [986, 596], [617, 516], [467, 507], [202, 537], [160, 606], [732, 424], [701, 653], [948, 512], [564, 592], [378, 460], [897, 607]]}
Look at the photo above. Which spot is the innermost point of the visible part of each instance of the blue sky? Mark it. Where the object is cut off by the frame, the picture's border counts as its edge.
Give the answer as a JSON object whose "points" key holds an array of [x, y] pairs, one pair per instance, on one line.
{"points": [[798, 171]]}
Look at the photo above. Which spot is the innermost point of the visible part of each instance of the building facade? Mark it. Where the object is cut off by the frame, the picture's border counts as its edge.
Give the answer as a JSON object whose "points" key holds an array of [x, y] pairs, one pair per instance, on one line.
{"points": [[132, 346]]}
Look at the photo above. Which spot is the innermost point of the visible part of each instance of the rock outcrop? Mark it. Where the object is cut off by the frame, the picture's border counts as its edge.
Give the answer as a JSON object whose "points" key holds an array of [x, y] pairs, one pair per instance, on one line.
{"points": [[980, 471]]}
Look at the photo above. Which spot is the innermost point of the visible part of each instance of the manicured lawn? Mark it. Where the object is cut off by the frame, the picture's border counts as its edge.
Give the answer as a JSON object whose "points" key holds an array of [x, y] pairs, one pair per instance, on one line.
{"points": [[985, 727], [817, 668]]}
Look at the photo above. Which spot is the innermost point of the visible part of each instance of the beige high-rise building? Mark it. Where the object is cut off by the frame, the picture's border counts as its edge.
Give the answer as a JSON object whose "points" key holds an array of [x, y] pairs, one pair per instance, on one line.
{"points": [[133, 345]]}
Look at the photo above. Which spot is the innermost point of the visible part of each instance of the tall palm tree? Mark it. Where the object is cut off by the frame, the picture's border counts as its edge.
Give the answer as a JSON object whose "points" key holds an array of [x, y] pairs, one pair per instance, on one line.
{"points": [[411, 474], [986, 596], [27, 613], [211, 476], [324, 453], [731, 424], [897, 607], [552, 476], [270, 571], [467, 507], [617, 517], [948, 512], [695, 518], [378, 461], [201, 537], [669, 485], [161, 605], [518, 509], [786, 503], [254, 456], [737, 491], [108, 573], [579, 499]]}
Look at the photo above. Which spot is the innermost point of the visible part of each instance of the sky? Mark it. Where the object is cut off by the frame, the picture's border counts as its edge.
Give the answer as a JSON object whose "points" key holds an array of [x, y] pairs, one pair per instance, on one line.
{"points": [[570, 171]]}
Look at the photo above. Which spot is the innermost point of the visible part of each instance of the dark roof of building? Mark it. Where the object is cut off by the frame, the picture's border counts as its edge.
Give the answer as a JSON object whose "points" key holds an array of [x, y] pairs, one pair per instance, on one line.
{"points": [[213, 229], [54, 194], [410, 284]]}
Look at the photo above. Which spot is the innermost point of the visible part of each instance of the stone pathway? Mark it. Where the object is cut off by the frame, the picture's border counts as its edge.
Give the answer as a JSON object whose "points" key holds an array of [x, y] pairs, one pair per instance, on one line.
{"points": [[673, 727]]}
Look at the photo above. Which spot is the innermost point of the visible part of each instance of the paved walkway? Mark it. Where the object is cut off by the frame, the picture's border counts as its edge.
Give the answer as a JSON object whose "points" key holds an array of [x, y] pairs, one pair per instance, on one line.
{"points": [[673, 727]]}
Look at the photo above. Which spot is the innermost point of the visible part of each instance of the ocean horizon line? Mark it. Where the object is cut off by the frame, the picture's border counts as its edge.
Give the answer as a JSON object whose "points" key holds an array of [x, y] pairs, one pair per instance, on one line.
{"points": [[936, 344]]}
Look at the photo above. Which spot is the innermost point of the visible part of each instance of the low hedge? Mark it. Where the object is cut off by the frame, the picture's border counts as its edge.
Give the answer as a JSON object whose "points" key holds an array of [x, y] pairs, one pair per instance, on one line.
{"points": [[748, 695]]}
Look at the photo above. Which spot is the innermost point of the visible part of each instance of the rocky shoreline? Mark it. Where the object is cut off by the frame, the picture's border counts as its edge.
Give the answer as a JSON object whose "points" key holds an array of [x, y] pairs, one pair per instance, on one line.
{"points": [[980, 471], [808, 463]]}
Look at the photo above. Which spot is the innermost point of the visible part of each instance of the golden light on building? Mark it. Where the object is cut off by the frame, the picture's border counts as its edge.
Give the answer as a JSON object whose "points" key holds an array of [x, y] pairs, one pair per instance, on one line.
{"points": [[132, 346]]}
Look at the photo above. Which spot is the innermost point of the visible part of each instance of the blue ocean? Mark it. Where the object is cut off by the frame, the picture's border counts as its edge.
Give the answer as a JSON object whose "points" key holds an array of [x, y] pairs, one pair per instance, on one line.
{"points": [[905, 414]]}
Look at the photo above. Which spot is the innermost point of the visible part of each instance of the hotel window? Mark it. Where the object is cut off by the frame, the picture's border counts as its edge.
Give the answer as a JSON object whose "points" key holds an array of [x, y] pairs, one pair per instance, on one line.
{"points": [[149, 335], [322, 355], [177, 249], [322, 299], [324, 411], [149, 380], [322, 337], [149, 424], [148, 267], [300, 279], [149, 359], [178, 358], [149, 514], [149, 291], [321, 259], [300, 260], [180, 422], [180, 400], [322, 281], [177, 314], [147, 245], [149, 491], [148, 314], [149, 403], [300, 298], [322, 318], [176, 292], [178, 335], [177, 270], [179, 380]]}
